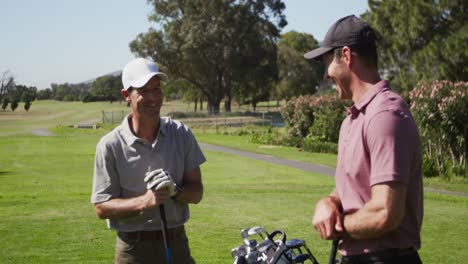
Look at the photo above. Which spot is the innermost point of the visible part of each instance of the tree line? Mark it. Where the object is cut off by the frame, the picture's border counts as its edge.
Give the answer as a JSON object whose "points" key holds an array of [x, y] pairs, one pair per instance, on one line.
{"points": [[232, 51], [104, 88]]}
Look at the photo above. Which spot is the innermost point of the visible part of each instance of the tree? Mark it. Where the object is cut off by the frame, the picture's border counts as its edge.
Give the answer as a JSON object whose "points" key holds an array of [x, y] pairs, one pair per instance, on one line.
{"points": [[297, 76], [189, 92], [7, 82], [27, 105], [5, 103], [28, 94], [15, 93], [213, 43], [14, 105], [107, 88], [69, 92], [421, 39], [44, 94]]}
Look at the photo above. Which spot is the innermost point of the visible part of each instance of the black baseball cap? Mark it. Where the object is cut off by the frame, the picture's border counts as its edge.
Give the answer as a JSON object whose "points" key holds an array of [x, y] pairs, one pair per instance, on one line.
{"points": [[347, 31]]}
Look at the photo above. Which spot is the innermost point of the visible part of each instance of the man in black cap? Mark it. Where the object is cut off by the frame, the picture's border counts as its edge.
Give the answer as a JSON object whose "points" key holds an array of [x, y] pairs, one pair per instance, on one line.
{"points": [[376, 208]]}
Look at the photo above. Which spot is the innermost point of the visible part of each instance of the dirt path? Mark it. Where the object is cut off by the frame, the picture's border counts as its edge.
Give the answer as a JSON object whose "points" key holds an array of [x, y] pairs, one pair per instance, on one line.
{"points": [[308, 167], [42, 132]]}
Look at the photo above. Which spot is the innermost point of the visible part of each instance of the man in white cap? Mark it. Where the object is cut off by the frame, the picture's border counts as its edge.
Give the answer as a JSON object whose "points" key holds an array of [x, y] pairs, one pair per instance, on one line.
{"points": [[145, 162]]}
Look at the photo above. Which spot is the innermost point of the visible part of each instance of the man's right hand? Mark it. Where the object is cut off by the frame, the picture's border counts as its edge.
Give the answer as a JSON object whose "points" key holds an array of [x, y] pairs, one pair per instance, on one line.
{"points": [[328, 219], [154, 198]]}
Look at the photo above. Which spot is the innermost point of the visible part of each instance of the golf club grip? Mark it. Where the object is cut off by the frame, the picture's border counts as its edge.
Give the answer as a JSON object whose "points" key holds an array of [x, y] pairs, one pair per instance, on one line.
{"points": [[162, 212], [332, 259]]}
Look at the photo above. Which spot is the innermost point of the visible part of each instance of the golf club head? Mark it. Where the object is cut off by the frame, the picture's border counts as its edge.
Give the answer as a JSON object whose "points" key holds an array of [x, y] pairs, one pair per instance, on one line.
{"points": [[245, 233], [295, 243], [255, 230], [264, 245]]}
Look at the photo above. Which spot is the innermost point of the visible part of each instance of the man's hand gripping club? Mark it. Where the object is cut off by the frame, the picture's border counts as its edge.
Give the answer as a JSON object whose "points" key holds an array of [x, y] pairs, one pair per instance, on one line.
{"points": [[328, 219], [161, 179]]}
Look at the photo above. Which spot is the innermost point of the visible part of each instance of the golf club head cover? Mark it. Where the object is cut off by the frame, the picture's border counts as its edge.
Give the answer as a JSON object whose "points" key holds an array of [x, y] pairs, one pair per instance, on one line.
{"points": [[160, 179]]}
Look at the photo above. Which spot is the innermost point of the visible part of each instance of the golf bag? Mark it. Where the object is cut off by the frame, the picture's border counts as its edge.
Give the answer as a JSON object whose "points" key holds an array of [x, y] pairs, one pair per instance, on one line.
{"points": [[273, 249]]}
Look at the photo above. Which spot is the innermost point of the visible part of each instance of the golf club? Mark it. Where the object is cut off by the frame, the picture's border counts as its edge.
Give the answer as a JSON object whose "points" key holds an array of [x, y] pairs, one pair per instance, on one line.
{"points": [[272, 250], [164, 232], [332, 259], [298, 244]]}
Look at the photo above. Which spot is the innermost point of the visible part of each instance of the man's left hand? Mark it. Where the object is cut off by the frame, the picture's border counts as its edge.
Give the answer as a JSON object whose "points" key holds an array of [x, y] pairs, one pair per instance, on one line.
{"points": [[160, 179]]}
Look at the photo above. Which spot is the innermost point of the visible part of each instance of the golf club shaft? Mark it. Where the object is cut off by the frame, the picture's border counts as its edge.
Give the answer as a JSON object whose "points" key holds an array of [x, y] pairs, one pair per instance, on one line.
{"points": [[332, 259], [164, 232]]}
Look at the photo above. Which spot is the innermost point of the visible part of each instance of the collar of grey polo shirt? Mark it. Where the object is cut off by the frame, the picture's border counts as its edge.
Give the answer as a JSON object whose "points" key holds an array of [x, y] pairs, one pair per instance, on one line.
{"points": [[128, 135]]}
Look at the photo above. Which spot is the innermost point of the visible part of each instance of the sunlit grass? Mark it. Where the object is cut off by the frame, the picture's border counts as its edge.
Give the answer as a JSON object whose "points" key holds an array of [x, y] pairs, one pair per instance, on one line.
{"points": [[45, 187]]}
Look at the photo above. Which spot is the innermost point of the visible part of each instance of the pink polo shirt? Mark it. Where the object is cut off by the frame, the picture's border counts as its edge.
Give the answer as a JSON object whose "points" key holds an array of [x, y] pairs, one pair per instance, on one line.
{"points": [[379, 142]]}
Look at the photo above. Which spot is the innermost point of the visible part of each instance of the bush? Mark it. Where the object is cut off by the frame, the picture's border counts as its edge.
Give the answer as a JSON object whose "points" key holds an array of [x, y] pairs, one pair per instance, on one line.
{"points": [[429, 168], [319, 116], [298, 114], [180, 115], [329, 113], [440, 109], [313, 144]]}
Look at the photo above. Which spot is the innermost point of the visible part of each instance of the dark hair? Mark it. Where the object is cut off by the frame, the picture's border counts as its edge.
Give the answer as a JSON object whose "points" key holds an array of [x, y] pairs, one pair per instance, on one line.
{"points": [[367, 52]]}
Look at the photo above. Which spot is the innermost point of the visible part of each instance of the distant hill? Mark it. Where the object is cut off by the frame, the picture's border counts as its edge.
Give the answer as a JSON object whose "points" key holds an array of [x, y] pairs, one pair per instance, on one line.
{"points": [[115, 73]]}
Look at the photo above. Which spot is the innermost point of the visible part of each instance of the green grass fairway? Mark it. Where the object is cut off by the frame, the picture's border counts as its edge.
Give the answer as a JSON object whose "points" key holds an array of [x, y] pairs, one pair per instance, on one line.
{"points": [[45, 185]]}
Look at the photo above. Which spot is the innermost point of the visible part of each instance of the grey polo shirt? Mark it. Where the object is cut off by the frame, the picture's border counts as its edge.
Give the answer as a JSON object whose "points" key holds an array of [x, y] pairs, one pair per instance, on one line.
{"points": [[122, 159]]}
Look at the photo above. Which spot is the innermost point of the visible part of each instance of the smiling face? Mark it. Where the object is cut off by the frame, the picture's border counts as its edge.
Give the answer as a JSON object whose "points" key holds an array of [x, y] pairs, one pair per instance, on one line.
{"points": [[146, 101], [337, 71]]}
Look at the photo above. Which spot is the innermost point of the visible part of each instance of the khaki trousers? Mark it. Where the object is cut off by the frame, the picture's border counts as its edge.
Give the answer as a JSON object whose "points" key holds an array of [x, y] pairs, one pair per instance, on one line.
{"points": [[152, 251]]}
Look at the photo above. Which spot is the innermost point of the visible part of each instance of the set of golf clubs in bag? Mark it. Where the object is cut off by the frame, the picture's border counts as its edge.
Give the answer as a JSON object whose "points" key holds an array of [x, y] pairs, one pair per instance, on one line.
{"points": [[274, 249]]}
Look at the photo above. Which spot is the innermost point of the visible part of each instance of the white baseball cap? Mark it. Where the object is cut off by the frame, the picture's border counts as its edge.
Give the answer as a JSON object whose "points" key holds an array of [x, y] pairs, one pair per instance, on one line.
{"points": [[139, 71]]}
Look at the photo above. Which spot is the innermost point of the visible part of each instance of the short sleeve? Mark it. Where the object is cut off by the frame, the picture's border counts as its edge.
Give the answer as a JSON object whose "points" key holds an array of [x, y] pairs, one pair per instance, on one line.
{"points": [[105, 180], [391, 143], [193, 155]]}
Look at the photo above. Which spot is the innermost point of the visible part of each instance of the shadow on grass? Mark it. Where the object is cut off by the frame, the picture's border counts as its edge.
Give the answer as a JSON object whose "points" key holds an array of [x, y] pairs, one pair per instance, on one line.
{"points": [[4, 173]]}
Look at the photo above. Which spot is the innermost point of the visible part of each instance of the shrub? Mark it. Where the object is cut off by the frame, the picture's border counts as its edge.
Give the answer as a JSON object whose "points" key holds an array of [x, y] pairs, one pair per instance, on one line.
{"points": [[298, 114], [329, 112], [441, 110], [319, 116], [313, 144], [179, 115], [263, 137]]}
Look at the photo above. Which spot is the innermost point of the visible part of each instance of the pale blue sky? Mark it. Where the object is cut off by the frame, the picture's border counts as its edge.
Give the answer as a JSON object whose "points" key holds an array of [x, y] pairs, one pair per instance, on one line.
{"points": [[58, 41]]}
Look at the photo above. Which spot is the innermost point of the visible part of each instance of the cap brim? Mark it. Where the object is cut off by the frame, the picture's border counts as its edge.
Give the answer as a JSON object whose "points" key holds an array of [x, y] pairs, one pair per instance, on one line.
{"points": [[317, 53], [143, 80]]}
